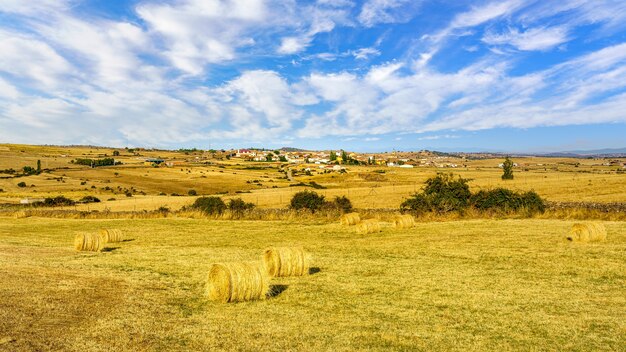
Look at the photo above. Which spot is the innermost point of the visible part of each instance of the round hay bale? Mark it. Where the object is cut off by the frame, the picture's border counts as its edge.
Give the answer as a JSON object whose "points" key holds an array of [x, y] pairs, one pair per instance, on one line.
{"points": [[237, 282], [368, 226], [587, 232], [88, 242], [286, 261], [404, 222], [111, 235], [350, 219]]}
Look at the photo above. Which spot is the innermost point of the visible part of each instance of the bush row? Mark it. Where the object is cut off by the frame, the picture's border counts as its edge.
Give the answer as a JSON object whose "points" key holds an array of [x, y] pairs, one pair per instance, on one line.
{"points": [[445, 193]]}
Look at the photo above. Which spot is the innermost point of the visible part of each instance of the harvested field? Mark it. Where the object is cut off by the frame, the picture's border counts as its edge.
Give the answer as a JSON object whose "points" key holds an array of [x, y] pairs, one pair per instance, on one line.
{"points": [[462, 285]]}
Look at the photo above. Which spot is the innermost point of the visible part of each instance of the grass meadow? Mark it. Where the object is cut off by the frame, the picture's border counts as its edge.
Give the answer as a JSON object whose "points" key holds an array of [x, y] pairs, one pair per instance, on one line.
{"points": [[453, 285]]}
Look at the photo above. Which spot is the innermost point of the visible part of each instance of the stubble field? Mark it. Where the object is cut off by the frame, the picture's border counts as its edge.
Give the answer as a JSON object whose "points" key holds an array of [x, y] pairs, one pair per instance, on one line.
{"points": [[459, 285]]}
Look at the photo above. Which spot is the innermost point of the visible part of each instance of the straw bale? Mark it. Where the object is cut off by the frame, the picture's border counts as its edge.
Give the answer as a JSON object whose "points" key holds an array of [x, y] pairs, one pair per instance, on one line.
{"points": [[350, 219], [88, 242], [237, 282], [111, 235], [587, 232], [286, 261]]}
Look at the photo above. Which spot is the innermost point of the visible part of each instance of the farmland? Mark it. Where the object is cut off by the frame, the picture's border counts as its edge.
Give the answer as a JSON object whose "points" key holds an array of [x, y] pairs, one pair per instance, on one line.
{"points": [[484, 283], [479, 284]]}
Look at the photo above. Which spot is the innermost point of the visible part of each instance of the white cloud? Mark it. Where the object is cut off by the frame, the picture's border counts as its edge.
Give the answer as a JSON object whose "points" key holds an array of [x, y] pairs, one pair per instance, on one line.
{"points": [[365, 53], [293, 45], [196, 32], [532, 39], [24, 57], [374, 12], [33, 7], [7, 90]]}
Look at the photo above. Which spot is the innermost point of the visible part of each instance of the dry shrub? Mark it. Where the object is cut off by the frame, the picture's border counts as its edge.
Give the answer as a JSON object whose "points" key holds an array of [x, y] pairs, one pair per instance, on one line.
{"points": [[368, 226], [237, 282], [88, 242], [404, 222], [587, 232], [350, 219], [286, 261], [111, 235]]}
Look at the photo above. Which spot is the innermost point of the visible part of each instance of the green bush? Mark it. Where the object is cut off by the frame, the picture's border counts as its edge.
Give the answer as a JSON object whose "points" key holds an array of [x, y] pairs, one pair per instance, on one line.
{"points": [[192, 192], [238, 206], [89, 199], [210, 205], [21, 184], [442, 193], [340, 203], [507, 200], [55, 202], [307, 200], [29, 170], [507, 168]]}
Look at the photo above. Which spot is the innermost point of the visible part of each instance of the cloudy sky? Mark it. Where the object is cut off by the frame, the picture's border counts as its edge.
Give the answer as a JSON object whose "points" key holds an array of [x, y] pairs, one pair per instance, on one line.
{"points": [[370, 75]]}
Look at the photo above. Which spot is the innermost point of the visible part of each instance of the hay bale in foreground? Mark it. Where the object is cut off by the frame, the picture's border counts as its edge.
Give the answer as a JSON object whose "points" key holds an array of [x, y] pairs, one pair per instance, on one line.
{"points": [[368, 226], [404, 222], [111, 235], [286, 261], [587, 232], [88, 242], [237, 282], [350, 219]]}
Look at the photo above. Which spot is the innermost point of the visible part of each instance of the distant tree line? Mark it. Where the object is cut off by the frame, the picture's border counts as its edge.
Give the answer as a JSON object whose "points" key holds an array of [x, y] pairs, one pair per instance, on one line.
{"points": [[95, 162]]}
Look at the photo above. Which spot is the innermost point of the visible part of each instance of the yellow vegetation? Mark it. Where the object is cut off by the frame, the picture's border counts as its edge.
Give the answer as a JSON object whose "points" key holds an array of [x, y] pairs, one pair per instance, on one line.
{"points": [[111, 235], [237, 282], [368, 226], [286, 261], [587, 232], [350, 219], [88, 242]]}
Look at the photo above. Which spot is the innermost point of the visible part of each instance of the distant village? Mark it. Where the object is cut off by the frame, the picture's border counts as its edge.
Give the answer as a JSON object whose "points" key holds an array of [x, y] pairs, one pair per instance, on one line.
{"points": [[334, 160], [337, 160]]}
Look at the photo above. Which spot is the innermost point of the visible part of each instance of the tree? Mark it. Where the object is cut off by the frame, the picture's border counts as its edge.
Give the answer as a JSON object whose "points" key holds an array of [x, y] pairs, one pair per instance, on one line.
{"points": [[344, 156], [210, 205], [269, 157], [38, 166], [116, 153], [507, 166], [333, 156], [282, 158], [307, 200]]}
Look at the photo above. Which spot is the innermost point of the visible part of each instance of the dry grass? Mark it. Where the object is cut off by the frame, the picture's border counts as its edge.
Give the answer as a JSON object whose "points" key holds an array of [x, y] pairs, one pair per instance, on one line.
{"points": [[350, 219], [286, 261], [368, 226], [111, 235], [479, 285], [404, 222], [237, 282], [91, 242], [587, 232]]}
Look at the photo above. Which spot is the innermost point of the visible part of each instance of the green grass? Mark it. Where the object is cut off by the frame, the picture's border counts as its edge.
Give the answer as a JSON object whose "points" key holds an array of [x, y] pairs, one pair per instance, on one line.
{"points": [[463, 285]]}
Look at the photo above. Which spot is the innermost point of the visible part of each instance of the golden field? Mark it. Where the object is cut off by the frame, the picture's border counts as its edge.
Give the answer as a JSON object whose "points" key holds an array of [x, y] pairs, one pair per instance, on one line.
{"points": [[461, 285], [479, 282], [555, 179]]}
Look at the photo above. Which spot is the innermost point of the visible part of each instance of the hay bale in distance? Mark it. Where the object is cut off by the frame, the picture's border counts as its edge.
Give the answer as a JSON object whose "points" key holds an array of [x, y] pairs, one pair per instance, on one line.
{"points": [[88, 242], [237, 282], [368, 226], [111, 235], [404, 222], [587, 232], [350, 219], [286, 261]]}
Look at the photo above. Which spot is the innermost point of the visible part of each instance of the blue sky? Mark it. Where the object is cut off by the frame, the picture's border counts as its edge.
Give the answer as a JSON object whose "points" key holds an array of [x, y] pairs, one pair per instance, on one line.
{"points": [[369, 75]]}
